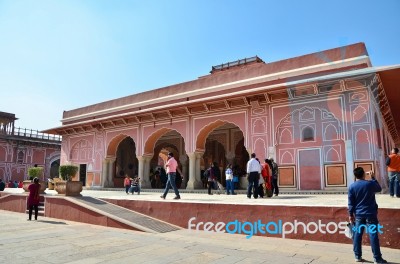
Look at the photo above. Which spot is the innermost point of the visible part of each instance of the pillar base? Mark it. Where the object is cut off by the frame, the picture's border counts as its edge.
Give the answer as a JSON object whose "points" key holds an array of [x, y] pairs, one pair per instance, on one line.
{"points": [[145, 185], [191, 185]]}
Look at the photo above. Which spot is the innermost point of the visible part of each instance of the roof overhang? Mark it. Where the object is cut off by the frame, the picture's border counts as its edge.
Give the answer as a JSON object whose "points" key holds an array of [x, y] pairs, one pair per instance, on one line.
{"points": [[388, 75], [390, 79]]}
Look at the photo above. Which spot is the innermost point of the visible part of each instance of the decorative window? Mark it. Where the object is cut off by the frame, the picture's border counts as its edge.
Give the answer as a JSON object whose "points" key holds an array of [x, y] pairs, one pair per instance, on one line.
{"points": [[308, 134], [20, 157]]}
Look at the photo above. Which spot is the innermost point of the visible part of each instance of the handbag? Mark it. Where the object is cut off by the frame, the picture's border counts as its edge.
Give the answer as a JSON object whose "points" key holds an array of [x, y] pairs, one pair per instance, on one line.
{"points": [[349, 230]]}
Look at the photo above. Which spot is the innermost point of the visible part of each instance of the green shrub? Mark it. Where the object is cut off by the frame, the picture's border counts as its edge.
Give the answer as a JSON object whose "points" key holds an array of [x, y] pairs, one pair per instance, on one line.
{"points": [[35, 172], [68, 171]]}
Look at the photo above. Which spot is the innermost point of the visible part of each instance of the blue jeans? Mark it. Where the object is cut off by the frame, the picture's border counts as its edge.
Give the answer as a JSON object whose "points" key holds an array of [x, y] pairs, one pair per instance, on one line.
{"points": [[133, 189], [253, 184], [394, 183], [373, 237], [229, 187], [171, 182]]}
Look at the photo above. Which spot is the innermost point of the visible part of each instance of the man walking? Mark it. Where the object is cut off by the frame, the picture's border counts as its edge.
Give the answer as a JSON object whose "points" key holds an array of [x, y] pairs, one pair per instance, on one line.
{"points": [[275, 172], [253, 175], [363, 211], [393, 167], [172, 167]]}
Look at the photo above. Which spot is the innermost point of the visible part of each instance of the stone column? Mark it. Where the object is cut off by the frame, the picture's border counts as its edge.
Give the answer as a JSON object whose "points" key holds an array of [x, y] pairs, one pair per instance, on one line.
{"points": [[193, 183], [230, 157], [183, 160], [141, 160], [349, 161], [109, 164], [110, 171], [272, 152], [145, 181], [104, 176], [199, 156]]}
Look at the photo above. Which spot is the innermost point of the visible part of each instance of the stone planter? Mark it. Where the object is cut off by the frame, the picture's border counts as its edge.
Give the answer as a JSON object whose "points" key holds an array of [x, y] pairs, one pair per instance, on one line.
{"points": [[68, 188], [26, 183], [52, 182]]}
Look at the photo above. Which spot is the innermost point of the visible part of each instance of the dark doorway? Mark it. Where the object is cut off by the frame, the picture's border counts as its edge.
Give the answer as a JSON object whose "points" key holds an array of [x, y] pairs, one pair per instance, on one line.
{"points": [[55, 165], [82, 173]]}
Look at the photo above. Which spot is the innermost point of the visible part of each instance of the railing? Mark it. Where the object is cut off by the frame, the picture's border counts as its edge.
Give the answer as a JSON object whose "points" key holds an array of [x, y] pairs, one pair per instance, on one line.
{"points": [[30, 133]]}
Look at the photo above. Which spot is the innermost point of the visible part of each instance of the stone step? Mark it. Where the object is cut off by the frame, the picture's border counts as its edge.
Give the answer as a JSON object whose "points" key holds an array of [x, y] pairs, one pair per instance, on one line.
{"points": [[240, 191]]}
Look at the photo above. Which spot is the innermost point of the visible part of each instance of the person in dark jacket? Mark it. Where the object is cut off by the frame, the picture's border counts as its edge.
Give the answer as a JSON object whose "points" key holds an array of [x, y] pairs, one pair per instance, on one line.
{"points": [[2, 185], [363, 212]]}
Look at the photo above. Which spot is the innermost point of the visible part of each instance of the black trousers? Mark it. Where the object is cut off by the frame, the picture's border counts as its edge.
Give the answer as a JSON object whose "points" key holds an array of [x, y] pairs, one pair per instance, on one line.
{"points": [[253, 179], [210, 185], [261, 190], [275, 188], [31, 207]]}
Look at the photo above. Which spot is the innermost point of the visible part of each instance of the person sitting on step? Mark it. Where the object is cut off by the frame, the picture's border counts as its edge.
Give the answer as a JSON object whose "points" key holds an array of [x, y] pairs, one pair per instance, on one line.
{"points": [[135, 185]]}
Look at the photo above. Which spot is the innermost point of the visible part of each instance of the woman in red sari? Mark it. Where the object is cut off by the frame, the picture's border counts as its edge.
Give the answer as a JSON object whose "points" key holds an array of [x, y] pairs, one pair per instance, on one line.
{"points": [[33, 198]]}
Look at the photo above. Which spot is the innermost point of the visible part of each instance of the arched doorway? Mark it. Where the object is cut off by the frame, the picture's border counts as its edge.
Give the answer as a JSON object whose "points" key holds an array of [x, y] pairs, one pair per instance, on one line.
{"points": [[126, 162], [162, 142], [54, 167], [224, 144]]}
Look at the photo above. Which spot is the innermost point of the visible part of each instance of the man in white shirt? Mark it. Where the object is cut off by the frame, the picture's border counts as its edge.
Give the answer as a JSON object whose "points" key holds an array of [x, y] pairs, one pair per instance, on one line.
{"points": [[253, 175]]}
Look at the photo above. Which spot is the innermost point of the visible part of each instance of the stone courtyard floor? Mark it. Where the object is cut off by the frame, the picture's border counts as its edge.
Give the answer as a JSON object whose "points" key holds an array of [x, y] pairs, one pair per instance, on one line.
{"points": [[58, 241]]}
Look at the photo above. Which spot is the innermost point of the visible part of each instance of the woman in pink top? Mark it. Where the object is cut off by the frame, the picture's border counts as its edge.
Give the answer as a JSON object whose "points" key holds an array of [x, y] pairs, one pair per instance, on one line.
{"points": [[34, 198]]}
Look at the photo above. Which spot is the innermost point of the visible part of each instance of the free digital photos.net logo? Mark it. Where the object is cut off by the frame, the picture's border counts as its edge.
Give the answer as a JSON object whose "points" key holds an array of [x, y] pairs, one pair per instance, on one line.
{"points": [[278, 227]]}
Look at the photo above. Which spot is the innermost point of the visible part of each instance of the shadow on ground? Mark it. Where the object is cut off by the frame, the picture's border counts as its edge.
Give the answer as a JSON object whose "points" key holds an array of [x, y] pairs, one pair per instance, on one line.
{"points": [[290, 197], [52, 222]]}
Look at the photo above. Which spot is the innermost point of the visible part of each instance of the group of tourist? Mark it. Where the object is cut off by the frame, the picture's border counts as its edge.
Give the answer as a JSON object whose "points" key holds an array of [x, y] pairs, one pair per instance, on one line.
{"points": [[262, 176], [132, 185], [10, 184]]}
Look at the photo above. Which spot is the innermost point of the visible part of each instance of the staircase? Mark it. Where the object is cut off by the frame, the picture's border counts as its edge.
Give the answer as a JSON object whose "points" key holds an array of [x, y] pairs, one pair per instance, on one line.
{"points": [[40, 207]]}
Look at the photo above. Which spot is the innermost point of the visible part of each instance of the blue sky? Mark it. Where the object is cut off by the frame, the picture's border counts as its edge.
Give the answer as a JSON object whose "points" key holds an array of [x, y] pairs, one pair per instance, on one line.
{"points": [[64, 54]]}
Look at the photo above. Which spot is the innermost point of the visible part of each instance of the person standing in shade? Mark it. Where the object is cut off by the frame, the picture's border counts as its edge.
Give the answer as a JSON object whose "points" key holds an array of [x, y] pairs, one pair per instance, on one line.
{"points": [[229, 180], [275, 172], [2, 185], [34, 198], [172, 167], [253, 175], [393, 167], [363, 211]]}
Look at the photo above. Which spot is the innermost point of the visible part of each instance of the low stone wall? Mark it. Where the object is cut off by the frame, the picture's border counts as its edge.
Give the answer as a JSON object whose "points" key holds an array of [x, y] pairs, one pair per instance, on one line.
{"points": [[180, 214], [13, 202]]}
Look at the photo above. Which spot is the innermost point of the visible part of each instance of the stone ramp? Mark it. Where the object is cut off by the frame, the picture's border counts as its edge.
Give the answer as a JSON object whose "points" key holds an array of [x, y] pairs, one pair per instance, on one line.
{"points": [[137, 220]]}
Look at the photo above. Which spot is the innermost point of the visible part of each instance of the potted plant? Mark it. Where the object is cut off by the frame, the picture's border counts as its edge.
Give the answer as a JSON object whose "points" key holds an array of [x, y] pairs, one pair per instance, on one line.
{"points": [[67, 186], [67, 172], [33, 173]]}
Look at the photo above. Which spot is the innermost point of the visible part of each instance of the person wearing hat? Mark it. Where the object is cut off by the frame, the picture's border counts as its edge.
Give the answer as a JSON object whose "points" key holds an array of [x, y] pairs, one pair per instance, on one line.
{"points": [[172, 167]]}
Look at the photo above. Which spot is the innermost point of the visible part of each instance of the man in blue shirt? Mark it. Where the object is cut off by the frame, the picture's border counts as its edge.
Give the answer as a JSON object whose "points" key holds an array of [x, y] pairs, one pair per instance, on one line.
{"points": [[363, 211]]}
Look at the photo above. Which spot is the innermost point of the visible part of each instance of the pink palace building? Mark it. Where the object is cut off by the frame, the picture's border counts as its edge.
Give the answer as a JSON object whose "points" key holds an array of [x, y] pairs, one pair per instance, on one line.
{"points": [[318, 115]]}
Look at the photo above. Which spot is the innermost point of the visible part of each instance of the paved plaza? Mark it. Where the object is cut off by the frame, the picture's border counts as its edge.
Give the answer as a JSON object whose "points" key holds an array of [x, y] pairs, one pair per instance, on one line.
{"points": [[332, 200], [58, 241]]}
